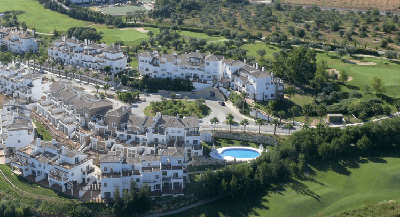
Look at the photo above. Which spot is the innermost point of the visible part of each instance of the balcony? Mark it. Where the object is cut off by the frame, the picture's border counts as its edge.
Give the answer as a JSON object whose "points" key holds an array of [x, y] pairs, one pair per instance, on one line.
{"points": [[193, 134], [111, 175]]}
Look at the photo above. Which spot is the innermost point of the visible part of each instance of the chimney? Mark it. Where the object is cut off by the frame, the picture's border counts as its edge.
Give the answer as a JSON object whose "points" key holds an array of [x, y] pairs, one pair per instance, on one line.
{"points": [[53, 141], [256, 65], [262, 69], [38, 142]]}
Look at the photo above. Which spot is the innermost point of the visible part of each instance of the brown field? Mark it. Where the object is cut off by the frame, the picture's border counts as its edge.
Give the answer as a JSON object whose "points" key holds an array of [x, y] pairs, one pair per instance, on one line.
{"points": [[359, 4]]}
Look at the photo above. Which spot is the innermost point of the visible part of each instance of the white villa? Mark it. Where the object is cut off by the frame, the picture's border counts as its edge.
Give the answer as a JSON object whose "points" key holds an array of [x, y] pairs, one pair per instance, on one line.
{"points": [[164, 173], [18, 41], [23, 84], [258, 84], [88, 54], [54, 165]]}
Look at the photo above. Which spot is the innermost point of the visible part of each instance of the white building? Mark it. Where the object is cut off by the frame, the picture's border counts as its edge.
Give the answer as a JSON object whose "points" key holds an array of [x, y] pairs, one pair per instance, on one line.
{"points": [[257, 83], [88, 54], [54, 165], [23, 84], [164, 172], [18, 41], [67, 107]]}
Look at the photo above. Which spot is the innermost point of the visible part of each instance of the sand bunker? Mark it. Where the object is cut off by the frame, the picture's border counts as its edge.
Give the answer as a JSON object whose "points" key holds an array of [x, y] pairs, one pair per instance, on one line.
{"points": [[331, 71], [360, 63], [139, 29]]}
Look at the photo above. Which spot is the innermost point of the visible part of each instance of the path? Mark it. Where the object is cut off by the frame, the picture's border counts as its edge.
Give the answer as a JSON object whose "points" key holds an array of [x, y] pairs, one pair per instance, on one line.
{"points": [[202, 202]]}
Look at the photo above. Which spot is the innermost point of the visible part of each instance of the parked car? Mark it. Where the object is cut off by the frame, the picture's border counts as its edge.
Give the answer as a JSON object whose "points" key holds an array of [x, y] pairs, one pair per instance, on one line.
{"points": [[178, 96], [221, 103]]}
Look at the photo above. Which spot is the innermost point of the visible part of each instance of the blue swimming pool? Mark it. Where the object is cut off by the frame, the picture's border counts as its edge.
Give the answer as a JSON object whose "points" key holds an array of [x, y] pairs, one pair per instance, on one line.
{"points": [[240, 153]]}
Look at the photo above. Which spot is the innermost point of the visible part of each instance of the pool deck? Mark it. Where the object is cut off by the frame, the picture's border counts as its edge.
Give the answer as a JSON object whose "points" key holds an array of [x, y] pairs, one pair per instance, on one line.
{"points": [[216, 153]]}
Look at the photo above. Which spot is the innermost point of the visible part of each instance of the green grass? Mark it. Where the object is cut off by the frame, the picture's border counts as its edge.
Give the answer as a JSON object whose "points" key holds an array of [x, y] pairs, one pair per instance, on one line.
{"points": [[170, 108], [41, 130], [200, 35], [122, 10], [27, 185], [35, 15], [334, 188]]}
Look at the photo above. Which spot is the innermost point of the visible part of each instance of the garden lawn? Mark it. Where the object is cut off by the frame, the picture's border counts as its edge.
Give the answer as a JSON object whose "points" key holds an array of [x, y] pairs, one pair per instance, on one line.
{"points": [[169, 108], [129, 36], [28, 186], [41, 130], [35, 15], [349, 185]]}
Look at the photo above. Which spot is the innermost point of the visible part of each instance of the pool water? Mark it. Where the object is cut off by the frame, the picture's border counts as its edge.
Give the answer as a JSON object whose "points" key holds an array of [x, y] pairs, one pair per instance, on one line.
{"points": [[240, 153]]}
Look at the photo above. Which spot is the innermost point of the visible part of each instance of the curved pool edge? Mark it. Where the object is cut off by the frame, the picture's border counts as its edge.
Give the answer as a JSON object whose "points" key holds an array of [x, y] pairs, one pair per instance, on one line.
{"points": [[216, 153]]}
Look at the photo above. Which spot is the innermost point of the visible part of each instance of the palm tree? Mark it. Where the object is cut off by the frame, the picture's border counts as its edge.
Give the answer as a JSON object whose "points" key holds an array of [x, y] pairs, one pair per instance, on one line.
{"points": [[66, 73], [275, 123], [105, 88], [95, 75], [268, 111], [73, 70], [116, 81], [307, 109], [214, 121], [260, 122], [229, 120], [281, 113], [293, 110], [256, 108], [289, 126], [52, 64], [97, 88], [107, 79], [59, 71], [80, 75], [321, 110], [243, 95], [244, 123], [130, 84], [87, 74]]}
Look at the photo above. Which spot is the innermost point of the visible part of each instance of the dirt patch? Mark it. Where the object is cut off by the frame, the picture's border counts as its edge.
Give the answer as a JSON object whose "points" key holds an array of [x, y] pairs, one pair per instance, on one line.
{"points": [[335, 71], [360, 63], [315, 122], [139, 29]]}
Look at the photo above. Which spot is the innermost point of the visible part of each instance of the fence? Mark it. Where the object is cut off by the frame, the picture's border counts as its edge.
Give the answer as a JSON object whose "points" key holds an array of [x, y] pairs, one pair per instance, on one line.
{"points": [[256, 138]]}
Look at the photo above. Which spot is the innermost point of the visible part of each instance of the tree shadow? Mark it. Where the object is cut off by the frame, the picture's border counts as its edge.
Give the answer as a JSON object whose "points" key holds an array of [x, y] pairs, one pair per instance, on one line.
{"points": [[301, 188], [352, 87], [334, 57]]}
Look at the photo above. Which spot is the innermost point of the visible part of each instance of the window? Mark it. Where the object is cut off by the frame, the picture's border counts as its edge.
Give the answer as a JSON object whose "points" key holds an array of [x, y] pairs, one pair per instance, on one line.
{"points": [[266, 88], [155, 139], [157, 176], [164, 173], [179, 161], [179, 131], [175, 175], [105, 184], [114, 125], [272, 95], [187, 141], [40, 165], [105, 169], [72, 174], [137, 180], [44, 166], [19, 141], [196, 154], [195, 142]]}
